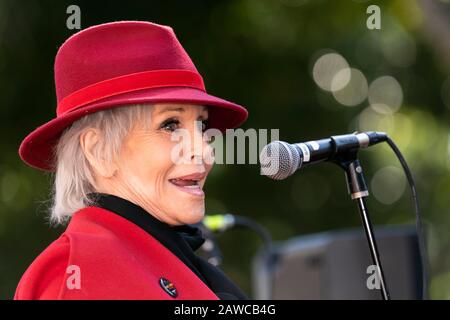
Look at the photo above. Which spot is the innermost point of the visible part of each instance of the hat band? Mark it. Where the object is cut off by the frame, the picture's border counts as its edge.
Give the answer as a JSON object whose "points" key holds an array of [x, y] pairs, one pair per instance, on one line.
{"points": [[128, 83]]}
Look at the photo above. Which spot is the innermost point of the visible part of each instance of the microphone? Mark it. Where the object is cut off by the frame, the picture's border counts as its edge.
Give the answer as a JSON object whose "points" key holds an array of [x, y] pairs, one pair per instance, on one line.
{"points": [[279, 159]]}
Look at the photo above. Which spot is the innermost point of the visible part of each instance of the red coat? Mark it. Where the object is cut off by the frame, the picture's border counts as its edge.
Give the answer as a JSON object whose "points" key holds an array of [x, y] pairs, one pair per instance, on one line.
{"points": [[111, 258]]}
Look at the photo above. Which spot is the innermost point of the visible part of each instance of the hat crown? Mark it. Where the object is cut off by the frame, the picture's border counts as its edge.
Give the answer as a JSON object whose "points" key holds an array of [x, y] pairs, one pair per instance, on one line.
{"points": [[116, 49]]}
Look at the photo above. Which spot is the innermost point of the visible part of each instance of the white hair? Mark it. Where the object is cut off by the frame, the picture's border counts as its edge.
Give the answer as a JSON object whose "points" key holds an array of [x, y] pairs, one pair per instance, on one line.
{"points": [[74, 176]]}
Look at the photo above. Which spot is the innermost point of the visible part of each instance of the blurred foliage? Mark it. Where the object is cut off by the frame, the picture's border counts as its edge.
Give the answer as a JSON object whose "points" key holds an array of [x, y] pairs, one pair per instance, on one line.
{"points": [[259, 53]]}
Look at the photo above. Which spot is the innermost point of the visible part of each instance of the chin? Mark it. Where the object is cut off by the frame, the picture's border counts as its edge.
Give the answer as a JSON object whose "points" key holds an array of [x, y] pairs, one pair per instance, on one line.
{"points": [[195, 215]]}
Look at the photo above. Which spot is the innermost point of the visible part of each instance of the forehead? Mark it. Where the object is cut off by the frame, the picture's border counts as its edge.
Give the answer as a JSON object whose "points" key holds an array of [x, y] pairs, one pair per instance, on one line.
{"points": [[161, 108]]}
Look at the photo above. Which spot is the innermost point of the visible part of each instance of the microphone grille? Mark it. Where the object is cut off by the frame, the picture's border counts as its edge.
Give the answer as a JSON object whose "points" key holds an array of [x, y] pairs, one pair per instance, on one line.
{"points": [[279, 160]]}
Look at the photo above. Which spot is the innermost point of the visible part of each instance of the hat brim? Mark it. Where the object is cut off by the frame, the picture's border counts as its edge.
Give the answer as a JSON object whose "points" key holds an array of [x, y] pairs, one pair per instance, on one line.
{"points": [[37, 149]]}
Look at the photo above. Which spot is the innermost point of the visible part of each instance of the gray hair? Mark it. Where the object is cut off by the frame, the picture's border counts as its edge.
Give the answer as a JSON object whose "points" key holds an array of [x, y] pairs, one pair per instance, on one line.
{"points": [[74, 176]]}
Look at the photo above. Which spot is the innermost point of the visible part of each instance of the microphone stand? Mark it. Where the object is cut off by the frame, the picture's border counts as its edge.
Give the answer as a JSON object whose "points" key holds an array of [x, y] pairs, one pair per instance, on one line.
{"points": [[358, 190]]}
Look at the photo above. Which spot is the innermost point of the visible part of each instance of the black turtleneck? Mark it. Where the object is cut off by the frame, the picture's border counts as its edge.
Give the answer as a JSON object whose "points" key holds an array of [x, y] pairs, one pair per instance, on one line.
{"points": [[180, 240]]}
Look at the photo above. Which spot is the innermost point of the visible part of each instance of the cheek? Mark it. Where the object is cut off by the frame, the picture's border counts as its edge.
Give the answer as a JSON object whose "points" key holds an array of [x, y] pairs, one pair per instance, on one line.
{"points": [[149, 164], [209, 166]]}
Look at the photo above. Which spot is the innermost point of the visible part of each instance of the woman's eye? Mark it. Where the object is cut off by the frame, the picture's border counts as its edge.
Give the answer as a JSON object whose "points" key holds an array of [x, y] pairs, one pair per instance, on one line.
{"points": [[170, 125], [204, 125]]}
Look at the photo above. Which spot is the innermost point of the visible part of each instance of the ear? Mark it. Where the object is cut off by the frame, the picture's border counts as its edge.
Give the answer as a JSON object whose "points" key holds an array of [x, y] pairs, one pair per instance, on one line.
{"points": [[89, 142]]}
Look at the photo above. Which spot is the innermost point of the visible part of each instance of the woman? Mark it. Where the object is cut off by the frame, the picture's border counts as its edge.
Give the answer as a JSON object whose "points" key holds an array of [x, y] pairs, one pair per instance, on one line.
{"points": [[123, 90]]}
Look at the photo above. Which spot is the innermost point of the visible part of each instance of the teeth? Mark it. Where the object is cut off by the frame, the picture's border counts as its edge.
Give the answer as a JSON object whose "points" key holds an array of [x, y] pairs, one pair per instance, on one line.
{"points": [[195, 186], [185, 183]]}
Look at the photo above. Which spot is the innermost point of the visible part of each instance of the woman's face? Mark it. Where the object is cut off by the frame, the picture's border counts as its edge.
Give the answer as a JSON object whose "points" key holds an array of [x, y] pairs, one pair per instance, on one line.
{"points": [[149, 173]]}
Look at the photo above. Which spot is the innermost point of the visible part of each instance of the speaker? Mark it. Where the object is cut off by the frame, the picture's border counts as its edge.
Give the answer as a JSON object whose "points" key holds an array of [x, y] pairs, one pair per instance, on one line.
{"points": [[336, 265]]}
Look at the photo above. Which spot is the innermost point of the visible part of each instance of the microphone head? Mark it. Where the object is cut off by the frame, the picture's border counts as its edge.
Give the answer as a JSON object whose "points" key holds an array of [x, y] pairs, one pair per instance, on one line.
{"points": [[279, 160]]}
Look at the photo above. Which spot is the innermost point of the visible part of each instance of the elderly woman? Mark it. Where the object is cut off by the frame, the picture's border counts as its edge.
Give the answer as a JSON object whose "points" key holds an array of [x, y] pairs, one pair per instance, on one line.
{"points": [[123, 90]]}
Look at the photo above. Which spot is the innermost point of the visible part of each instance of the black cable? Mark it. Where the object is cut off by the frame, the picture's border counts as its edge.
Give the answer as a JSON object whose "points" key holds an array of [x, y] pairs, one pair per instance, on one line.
{"points": [[419, 224], [257, 228], [237, 221]]}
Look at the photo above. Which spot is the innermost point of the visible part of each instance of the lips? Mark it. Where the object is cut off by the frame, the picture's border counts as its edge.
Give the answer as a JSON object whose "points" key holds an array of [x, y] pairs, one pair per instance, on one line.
{"points": [[189, 183]]}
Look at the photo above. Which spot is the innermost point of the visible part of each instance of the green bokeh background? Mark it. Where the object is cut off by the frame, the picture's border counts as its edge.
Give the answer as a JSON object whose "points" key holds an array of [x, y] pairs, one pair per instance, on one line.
{"points": [[259, 53]]}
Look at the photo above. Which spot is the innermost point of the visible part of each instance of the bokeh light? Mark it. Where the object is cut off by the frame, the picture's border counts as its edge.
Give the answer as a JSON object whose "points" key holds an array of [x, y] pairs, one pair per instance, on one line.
{"points": [[354, 92], [385, 91], [388, 184], [373, 120], [328, 67]]}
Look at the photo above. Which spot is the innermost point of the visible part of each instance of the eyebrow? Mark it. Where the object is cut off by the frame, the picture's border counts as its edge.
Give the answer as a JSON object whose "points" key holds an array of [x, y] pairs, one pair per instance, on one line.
{"points": [[175, 108]]}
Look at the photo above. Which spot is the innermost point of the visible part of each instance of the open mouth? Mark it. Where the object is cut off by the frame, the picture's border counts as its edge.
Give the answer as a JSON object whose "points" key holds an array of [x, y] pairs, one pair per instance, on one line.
{"points": [[190, 183]]}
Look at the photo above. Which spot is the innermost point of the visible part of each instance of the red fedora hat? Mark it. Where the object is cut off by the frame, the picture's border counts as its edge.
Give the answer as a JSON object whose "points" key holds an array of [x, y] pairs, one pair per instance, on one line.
{"points": [[116, 64]]}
